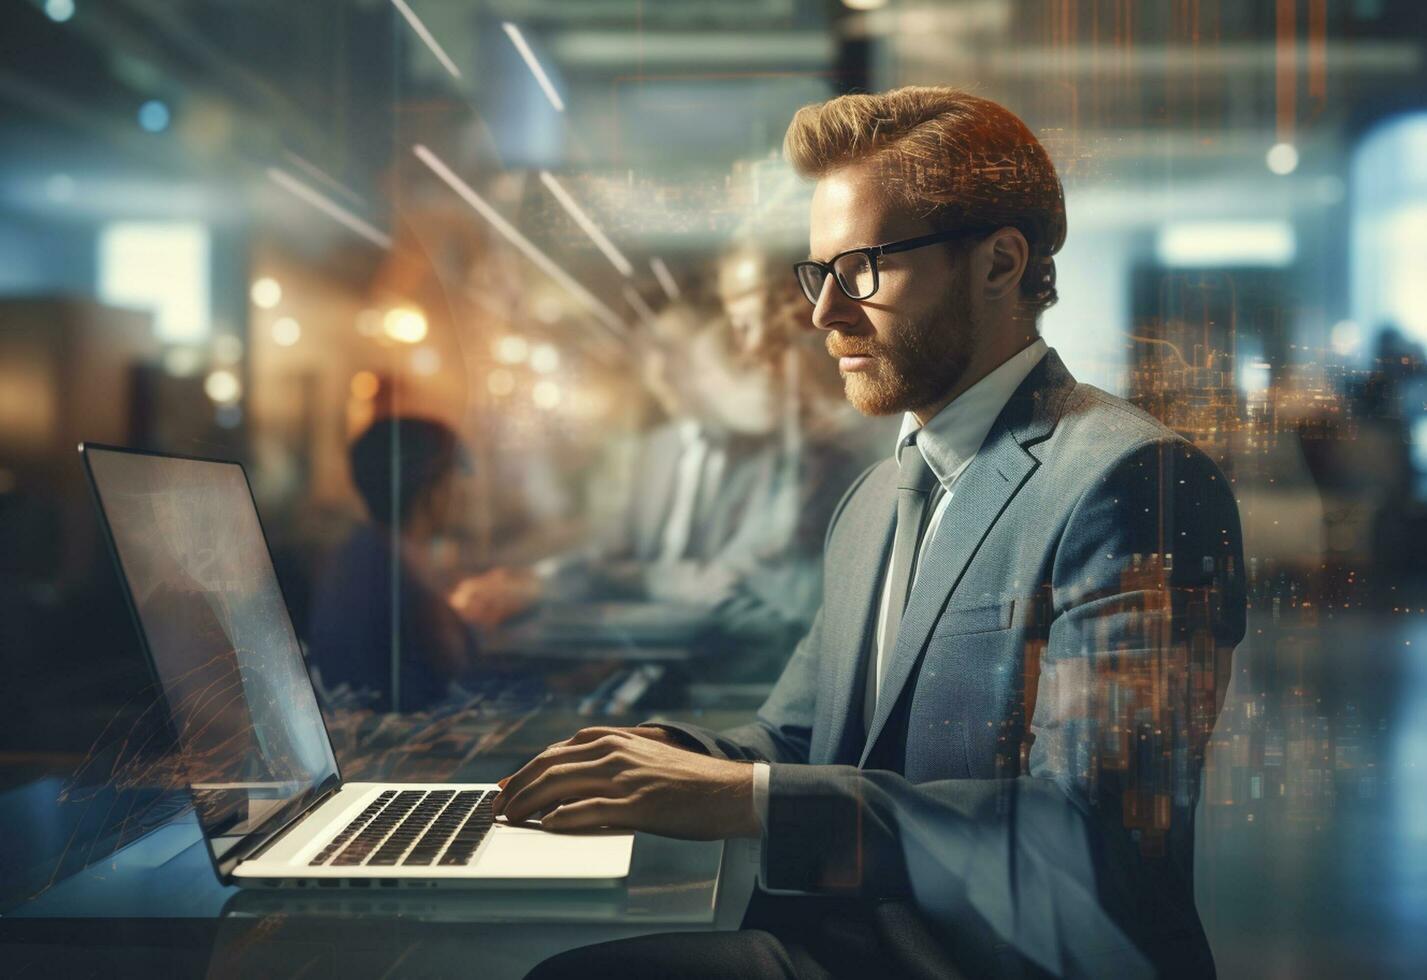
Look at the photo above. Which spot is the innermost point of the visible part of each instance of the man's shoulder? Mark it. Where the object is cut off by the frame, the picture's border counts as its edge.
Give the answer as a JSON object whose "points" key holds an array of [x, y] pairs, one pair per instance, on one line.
{"points": [[1096, 430], [1106, 449]]}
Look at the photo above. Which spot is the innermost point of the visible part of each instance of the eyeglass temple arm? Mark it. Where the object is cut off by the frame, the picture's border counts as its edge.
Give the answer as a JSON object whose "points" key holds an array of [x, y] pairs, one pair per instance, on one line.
{"points": [[918, 242]]}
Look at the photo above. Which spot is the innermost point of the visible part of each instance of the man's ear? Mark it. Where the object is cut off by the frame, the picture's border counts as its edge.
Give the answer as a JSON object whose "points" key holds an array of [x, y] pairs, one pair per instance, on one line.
{"points": [[1006, 255]]}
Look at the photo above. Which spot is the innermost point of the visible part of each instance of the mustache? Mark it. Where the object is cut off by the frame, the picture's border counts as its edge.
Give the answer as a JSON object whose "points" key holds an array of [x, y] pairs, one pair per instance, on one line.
{"points": [[840, 346]]}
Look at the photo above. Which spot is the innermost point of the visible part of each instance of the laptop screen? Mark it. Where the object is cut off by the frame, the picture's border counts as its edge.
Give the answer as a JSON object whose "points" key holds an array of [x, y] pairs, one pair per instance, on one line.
{"points": [[252, 744]]}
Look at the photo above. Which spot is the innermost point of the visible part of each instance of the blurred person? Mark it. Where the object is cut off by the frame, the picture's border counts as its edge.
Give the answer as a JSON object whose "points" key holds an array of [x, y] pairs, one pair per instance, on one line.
{"points": [[691, 526], [378, 590], [983, 758], [757, 300], [1377, 464], [824, 442]]}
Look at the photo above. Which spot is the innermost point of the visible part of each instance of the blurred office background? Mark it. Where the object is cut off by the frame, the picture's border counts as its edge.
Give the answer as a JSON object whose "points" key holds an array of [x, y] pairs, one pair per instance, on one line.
{"points": [[562, 230]]}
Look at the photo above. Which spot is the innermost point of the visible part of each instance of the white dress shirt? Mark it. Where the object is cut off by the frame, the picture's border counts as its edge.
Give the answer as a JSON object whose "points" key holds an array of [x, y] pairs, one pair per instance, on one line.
{"points": [[948, 443], [697, 476]]}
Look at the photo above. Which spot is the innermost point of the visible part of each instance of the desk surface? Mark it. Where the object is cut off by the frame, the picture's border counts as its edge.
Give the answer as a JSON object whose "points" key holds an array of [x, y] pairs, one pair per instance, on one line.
{"points": [[155, 906], [167, 875]]}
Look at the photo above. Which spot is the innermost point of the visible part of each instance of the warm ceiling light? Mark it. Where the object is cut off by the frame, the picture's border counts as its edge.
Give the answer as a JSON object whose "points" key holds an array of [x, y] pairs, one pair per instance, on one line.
{"points": [[512, 349], [545, 359], [546, 394], [286, 331], [265, 293], [223, 387], [365, 385], [405, 326]]}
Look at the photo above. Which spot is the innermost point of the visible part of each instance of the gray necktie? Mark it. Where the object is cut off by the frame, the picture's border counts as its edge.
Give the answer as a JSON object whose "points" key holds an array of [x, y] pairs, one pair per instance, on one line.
{"points": [[915, 489]]}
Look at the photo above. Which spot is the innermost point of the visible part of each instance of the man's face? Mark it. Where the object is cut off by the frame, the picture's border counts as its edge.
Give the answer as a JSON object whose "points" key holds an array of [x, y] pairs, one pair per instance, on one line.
{"points": [[738, 394], [908, 344]]}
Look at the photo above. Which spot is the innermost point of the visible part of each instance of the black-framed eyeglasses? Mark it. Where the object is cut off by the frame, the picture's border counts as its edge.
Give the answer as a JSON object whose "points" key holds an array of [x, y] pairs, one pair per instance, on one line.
{"points": [[855, 271]]}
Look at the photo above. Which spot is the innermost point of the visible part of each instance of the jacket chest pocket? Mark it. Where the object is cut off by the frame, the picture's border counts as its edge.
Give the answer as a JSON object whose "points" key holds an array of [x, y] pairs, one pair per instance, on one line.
{"points": [[980, 618]]}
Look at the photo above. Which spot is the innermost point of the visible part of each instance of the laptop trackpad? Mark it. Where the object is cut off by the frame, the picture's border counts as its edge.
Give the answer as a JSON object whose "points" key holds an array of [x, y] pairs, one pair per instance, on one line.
{"points": [[529, 852]]}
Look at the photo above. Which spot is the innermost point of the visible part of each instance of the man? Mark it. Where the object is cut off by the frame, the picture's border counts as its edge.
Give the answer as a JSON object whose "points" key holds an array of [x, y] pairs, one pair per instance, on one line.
{"points": [[984, 756], [702, 525]]}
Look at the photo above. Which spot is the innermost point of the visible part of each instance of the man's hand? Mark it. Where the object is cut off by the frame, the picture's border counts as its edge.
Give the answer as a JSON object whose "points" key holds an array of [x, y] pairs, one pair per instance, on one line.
{"points": [[490, 599], [632, 779]]}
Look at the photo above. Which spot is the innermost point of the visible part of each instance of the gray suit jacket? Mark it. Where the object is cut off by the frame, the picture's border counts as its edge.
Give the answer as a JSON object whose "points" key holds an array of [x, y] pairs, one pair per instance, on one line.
{"points": [[627, 547], [1029, 784], [749, 468]]}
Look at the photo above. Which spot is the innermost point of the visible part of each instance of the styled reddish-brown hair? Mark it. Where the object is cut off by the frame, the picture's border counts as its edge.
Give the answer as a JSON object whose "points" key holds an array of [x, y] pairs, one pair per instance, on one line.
{"points": [[955, 159]]}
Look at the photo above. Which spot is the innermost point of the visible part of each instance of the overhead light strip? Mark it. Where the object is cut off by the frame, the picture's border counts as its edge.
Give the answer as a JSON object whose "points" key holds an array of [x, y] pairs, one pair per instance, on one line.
{"points": [[511, 234], [518, 39], [1226, 243], [328, 207], [666, 281], [637, 301], [586, 224], [425, 35]]}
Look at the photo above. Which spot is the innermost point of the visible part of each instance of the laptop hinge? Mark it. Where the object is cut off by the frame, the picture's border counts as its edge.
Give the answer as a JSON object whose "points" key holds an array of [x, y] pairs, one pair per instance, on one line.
{"points": [[288, 824]]}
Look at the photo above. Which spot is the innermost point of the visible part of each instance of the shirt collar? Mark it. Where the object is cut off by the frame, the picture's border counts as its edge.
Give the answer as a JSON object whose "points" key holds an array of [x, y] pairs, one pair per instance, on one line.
{"points": [[952, 436], [691, 432]]}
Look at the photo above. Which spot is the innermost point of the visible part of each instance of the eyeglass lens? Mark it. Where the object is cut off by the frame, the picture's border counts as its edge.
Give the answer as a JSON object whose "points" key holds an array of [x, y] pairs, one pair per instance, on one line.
{"points": [[811, 278], [854, 274]]}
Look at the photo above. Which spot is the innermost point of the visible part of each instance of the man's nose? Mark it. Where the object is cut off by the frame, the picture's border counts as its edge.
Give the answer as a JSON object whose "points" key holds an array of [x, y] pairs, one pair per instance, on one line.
{"points": [[833, 310]]}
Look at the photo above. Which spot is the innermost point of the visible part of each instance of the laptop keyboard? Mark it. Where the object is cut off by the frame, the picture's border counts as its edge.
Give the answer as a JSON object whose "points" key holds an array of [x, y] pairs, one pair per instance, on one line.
{"points": [[413, 827]]}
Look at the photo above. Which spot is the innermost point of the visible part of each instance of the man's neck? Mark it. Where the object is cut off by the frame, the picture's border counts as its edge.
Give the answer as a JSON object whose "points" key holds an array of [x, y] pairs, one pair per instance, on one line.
{"points": [[976, 370]]}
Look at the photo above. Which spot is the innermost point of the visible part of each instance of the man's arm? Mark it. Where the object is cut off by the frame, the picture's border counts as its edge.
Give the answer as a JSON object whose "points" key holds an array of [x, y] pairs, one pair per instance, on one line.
{"points": [[782, 731]]}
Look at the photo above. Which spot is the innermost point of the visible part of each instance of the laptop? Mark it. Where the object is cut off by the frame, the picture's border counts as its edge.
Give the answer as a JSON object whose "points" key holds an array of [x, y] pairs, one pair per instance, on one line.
{"points": [[252, 746]]}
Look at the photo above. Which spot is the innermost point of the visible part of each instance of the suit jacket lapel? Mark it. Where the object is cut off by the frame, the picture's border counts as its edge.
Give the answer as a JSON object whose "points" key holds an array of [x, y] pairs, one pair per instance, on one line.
{"points": [[998, 472], [978, 498]]}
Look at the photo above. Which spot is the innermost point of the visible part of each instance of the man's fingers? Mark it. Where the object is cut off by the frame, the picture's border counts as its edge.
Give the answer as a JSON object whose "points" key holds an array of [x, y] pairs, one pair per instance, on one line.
{"points": [[586, 735], [557, 754], [571, 781], [592, 814]]}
